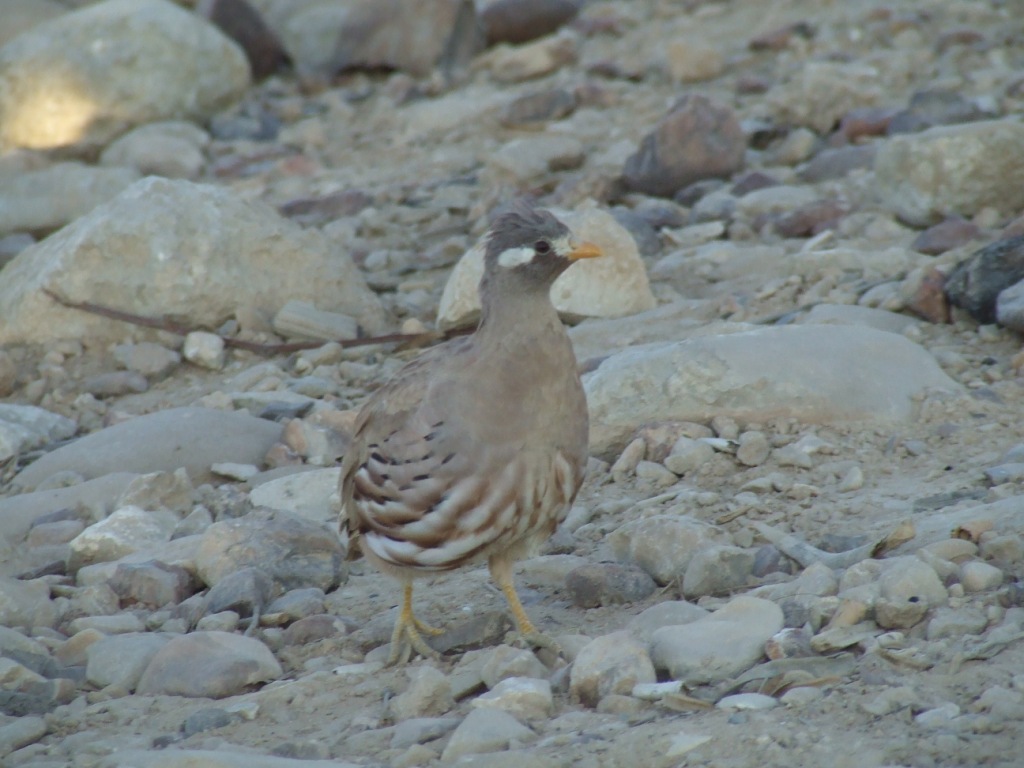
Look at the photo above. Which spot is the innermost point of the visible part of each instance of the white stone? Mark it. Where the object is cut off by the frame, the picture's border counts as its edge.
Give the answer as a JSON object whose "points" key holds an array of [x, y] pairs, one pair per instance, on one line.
{"points": [[747, 701], [126, 530], [612, 285], [524, 697], [204, 349], [976, 576], [137, 250]]}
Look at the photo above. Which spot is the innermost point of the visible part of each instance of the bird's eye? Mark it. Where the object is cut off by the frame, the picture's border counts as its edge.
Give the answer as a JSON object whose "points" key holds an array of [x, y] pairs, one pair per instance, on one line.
{"points": [[542, 247]]}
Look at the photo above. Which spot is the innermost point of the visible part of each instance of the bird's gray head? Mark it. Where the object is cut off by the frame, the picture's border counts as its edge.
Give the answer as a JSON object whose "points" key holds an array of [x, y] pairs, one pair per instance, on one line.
{"points": [[531, 244]]}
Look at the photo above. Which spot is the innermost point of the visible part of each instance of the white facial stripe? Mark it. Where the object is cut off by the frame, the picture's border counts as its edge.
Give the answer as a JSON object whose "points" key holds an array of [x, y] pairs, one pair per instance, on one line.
{"points": [[563, 246], [515, 257]]}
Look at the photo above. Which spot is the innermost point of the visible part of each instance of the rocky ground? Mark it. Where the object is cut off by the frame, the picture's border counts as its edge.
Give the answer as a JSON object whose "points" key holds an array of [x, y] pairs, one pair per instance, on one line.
{"points": [[800, 540]]}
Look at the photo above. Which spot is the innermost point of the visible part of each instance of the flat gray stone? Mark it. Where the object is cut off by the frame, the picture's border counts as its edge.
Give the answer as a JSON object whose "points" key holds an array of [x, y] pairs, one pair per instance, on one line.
{"points": [[193, 438], [486, 730], [818, 374], [718, 646]]}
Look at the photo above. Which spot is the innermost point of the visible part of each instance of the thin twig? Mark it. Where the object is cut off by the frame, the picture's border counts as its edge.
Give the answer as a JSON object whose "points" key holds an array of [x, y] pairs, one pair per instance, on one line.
{"points": [[168, 325]]}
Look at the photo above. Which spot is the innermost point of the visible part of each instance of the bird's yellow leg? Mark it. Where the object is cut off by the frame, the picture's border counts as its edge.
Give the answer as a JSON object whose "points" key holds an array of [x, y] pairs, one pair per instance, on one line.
{"points": [[406, 637], [501, 572]]}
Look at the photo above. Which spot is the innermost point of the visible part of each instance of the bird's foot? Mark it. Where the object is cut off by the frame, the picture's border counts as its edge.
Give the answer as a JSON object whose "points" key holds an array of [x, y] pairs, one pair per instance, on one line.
{"points": [[426, 629], [537, 640], [406, 638]]}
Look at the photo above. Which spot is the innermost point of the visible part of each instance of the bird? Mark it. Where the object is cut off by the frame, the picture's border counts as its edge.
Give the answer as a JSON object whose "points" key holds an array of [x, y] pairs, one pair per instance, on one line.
{"points": [[476, 449]]}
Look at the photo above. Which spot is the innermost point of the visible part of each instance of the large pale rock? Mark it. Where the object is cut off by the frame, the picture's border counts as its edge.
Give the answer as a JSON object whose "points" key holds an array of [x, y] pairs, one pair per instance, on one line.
{"points": [[178, 249], [121, 659], [291, 550], [193, 438], [952, 170], [44, 200], [611, 664], [613, 285], [718, 646], [65, 82], [208, 664], [817, 374]]}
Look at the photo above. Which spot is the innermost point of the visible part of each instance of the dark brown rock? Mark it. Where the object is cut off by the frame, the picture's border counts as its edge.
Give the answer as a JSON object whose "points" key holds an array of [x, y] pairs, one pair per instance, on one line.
{"points": [[959, 36], [865, 121], [810, 219], [597, 584], [538, 108], [975, 283], [242, 23], [748, 84], [317, 211], [698, 139], [519, 21], [945, 236], [837, 163], [780, 38], [154, 584], [752, 181], [929, 299]]}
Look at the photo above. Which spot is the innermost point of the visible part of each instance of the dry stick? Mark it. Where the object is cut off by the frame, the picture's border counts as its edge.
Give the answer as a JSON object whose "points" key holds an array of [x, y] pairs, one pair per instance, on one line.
{"points": [[164, 324]]}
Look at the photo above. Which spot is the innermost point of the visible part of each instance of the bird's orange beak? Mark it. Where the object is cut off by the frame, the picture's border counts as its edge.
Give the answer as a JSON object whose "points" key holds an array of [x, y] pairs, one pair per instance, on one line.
{"points": [[585, 251]]}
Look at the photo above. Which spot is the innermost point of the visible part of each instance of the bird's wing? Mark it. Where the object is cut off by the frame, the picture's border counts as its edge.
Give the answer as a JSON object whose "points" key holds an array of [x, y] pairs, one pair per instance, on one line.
{"points": [[423, 495]]}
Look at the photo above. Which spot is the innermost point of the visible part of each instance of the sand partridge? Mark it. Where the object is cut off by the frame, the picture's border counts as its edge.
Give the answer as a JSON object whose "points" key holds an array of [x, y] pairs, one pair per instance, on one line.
{"points": [[476, 449]]}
